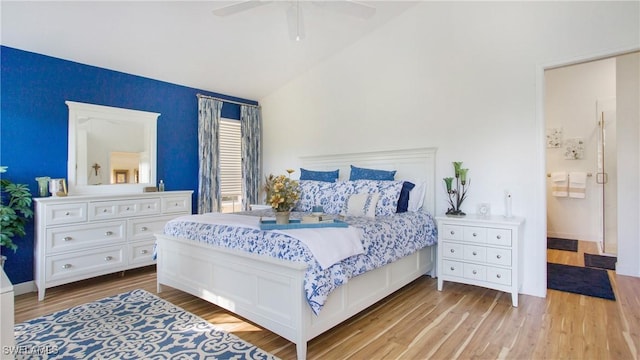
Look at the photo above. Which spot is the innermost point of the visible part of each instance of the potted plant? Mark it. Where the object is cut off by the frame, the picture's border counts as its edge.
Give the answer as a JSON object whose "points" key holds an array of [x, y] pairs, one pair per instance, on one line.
{"points": [[15, 210], [282, 194]]}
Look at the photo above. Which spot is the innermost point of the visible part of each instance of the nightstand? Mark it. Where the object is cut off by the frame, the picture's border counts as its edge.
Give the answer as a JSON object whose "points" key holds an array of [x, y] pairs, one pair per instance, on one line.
{"points": [[481, 251]]}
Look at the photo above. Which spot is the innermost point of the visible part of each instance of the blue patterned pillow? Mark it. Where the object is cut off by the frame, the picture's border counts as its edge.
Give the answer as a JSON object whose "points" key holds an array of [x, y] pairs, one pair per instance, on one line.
{"points": [[362, 205], [314, 193], [327, 176], [389, 194], [358, 173]]}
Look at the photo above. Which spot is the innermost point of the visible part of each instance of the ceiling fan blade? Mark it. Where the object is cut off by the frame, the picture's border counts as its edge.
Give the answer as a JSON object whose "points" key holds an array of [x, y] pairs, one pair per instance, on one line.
{"points": [[352, 8], [295, 20], [239, 7]]}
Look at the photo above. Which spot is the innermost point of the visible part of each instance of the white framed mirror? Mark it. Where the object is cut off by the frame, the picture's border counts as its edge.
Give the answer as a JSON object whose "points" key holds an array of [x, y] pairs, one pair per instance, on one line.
{"points": [[111, 150]]}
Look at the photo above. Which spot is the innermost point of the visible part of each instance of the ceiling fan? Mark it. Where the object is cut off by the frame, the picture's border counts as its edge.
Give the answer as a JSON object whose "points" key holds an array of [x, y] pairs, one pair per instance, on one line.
{"points": [[294, 13]]}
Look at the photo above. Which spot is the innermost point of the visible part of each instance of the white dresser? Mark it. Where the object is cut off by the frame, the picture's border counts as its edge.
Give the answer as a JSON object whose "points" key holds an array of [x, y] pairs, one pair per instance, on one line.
{"points": [[7, 338], [82, 236], [482, 251]]}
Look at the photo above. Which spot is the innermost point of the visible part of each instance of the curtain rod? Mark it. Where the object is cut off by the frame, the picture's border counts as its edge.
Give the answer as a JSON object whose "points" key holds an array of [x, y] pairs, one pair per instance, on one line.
{"points": [[225, 100]]}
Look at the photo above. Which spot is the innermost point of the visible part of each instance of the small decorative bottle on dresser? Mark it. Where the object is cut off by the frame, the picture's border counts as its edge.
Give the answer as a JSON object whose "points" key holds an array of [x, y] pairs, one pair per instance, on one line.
{"points": [[482, 251]]}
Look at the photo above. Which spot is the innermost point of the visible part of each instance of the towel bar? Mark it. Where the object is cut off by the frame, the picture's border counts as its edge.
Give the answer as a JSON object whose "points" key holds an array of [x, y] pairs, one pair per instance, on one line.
{"points": [[588, 174]]}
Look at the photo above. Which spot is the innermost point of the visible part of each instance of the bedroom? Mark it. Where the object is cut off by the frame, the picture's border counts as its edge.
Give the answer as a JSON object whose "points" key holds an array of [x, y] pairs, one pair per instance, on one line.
{"points": [[480, 106]]}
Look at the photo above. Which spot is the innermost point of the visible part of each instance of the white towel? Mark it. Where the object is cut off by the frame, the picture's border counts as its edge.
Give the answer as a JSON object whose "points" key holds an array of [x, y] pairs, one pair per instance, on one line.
{"points": [[577, 184], [560, 184]]}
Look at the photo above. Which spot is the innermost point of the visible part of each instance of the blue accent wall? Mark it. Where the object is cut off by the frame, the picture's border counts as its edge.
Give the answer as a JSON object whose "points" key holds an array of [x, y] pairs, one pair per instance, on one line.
{"points": [[34, 117]]}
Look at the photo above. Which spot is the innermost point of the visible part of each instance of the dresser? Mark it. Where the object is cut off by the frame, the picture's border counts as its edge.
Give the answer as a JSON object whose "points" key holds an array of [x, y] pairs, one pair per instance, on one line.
{"points": [[7, 339], [83, 236], [481, 251]]}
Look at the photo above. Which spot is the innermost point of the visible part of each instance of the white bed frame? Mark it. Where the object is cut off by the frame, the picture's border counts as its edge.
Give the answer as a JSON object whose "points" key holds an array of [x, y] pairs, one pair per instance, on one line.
{"points": [[270, 292]]}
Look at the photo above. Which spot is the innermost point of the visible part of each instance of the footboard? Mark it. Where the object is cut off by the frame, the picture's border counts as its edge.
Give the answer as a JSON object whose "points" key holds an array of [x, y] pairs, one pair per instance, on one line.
{"points": [[270, 293]]}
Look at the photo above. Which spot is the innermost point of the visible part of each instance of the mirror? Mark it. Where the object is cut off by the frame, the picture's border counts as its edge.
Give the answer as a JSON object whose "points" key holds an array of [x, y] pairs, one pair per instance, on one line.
{"points": [[111, 150]]}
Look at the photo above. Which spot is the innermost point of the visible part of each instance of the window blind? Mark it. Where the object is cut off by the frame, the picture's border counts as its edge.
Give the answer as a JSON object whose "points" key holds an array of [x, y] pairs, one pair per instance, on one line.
{"points": [[230, 159]]}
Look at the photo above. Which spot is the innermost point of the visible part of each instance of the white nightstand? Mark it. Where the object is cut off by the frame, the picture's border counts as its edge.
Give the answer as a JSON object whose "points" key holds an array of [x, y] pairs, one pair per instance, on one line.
{"points": [[7, 339], [482, 251]]}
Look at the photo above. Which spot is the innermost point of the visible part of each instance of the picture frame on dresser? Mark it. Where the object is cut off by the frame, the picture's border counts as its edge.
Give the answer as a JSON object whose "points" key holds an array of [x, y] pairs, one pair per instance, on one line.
{"points": [[482, 251], [83, 236]]}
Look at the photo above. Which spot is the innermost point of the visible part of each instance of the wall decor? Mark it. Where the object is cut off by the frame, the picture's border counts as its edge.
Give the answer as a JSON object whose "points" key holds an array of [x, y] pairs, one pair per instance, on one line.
{"points": [[574, 149], [554, 137]]}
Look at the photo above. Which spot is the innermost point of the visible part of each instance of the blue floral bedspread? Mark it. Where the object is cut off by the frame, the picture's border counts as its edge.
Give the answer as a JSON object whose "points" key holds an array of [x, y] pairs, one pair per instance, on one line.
{"points": [[386, 239]]}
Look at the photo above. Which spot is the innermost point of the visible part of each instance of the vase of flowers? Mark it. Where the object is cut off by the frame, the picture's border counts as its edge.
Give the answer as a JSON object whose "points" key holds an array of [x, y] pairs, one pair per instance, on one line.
{"points": [[458, 193], [282, 194]]}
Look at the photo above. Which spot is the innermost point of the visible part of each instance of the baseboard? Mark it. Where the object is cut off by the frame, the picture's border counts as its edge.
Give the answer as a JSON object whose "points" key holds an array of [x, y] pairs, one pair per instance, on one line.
{"points": [[24, 288]]}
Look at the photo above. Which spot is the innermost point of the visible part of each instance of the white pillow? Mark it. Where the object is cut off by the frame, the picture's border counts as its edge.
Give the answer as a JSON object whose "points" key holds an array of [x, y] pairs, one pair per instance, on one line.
{"points": [[362, 205], [416, 197]]}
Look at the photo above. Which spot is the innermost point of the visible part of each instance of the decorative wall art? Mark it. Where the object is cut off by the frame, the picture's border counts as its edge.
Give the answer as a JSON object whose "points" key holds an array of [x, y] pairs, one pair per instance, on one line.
{"points": [[574, 149], [554, 137]]}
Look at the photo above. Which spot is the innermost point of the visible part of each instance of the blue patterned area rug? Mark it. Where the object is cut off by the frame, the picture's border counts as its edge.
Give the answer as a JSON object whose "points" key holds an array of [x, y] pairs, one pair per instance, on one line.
{"points": [[132, 325]]}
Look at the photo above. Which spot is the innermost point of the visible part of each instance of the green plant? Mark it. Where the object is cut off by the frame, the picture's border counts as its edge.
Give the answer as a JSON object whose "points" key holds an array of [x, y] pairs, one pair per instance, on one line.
{"points": [[15, 210]]}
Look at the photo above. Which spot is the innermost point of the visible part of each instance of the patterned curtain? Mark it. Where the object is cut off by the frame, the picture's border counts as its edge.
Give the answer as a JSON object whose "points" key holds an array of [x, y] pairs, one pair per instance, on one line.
{"points": [[209, 163], [251, 130]]}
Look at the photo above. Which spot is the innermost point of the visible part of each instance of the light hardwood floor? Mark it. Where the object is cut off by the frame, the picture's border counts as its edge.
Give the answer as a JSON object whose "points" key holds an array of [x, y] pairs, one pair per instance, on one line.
{"points": [[418, 322]]}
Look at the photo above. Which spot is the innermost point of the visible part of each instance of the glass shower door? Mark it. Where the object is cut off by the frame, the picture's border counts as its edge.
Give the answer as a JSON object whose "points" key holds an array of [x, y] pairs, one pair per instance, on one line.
{"points": [[606, 177]]}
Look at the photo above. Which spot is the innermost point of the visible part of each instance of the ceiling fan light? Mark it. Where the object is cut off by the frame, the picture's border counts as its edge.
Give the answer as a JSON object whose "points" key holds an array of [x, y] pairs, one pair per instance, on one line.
{"points": [[295, 20]]}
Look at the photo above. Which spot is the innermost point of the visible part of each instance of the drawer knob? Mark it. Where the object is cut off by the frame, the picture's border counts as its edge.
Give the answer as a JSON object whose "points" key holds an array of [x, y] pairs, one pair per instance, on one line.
{"points": [[67, 238], [144, 228], [108, 258], [67, 213], [498, 276], [499, 256], [475, 234], [127, 208], [452, 268], [452, 251], [108, 233], [498, 237], [143, 251], [104, 210], [453, 232], [475, 253], [474, 272], [66, 266], [148, 206]]}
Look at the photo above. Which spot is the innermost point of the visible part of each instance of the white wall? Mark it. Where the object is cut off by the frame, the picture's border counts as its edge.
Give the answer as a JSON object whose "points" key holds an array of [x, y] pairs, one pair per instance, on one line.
{"points": [[571, 94], [460, 76], [628, 117]]}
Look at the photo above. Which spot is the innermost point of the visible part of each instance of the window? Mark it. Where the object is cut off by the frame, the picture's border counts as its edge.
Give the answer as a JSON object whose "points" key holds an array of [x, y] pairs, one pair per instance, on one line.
{"points": [[230, 165]]}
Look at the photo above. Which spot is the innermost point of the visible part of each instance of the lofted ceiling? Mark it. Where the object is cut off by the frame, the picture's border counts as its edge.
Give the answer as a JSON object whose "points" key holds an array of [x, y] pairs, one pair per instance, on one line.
{"points": [[248, 55]]}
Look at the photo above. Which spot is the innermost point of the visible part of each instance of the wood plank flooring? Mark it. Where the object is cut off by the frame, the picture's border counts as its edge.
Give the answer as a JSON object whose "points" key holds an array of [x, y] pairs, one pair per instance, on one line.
{"points": [[418, 322]]}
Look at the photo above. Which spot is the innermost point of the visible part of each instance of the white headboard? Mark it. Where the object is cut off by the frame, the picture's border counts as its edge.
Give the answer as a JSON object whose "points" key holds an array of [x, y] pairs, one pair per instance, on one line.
{"points": [[415, 165]]}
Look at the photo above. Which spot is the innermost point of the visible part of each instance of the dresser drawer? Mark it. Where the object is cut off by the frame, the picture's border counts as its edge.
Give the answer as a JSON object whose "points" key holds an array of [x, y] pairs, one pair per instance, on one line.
{"points": [[176, 204], [452, 232], [144, 228], [475, 234], [103, 260], [475, 253], [499, 276], [452, 268], [104, 210], [500, 237], [141, 252], [453, 250], [499, 256], [475, 272], [65, 214], [77, 237]]}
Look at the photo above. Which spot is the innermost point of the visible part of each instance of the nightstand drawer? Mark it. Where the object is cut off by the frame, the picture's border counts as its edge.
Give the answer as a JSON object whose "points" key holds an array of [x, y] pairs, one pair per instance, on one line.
{"points": [[475, 272], [499, 256], [500, 237], [452, 268], [452, 232], [475, 253], [475, 234], [499, 276], [453, 250]]}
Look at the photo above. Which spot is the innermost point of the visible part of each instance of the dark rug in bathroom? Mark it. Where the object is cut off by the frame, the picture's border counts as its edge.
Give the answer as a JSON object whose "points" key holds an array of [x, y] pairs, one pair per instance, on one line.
{"points": [[562, 244], [599, 261]]}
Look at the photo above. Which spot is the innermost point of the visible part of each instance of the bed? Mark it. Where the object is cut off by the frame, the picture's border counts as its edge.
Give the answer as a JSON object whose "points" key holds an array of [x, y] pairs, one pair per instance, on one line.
{"points": [[270, 291]]}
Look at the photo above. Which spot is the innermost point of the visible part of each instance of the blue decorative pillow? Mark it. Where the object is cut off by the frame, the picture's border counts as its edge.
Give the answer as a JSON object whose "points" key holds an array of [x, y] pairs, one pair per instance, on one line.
{"points": [[358, 173], [327, 176], [403, 200], [389, 193]]}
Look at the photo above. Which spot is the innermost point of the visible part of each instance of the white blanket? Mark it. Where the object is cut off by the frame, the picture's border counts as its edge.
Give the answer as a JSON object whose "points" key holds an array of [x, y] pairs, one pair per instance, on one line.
{"points": [[328, 244]]}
